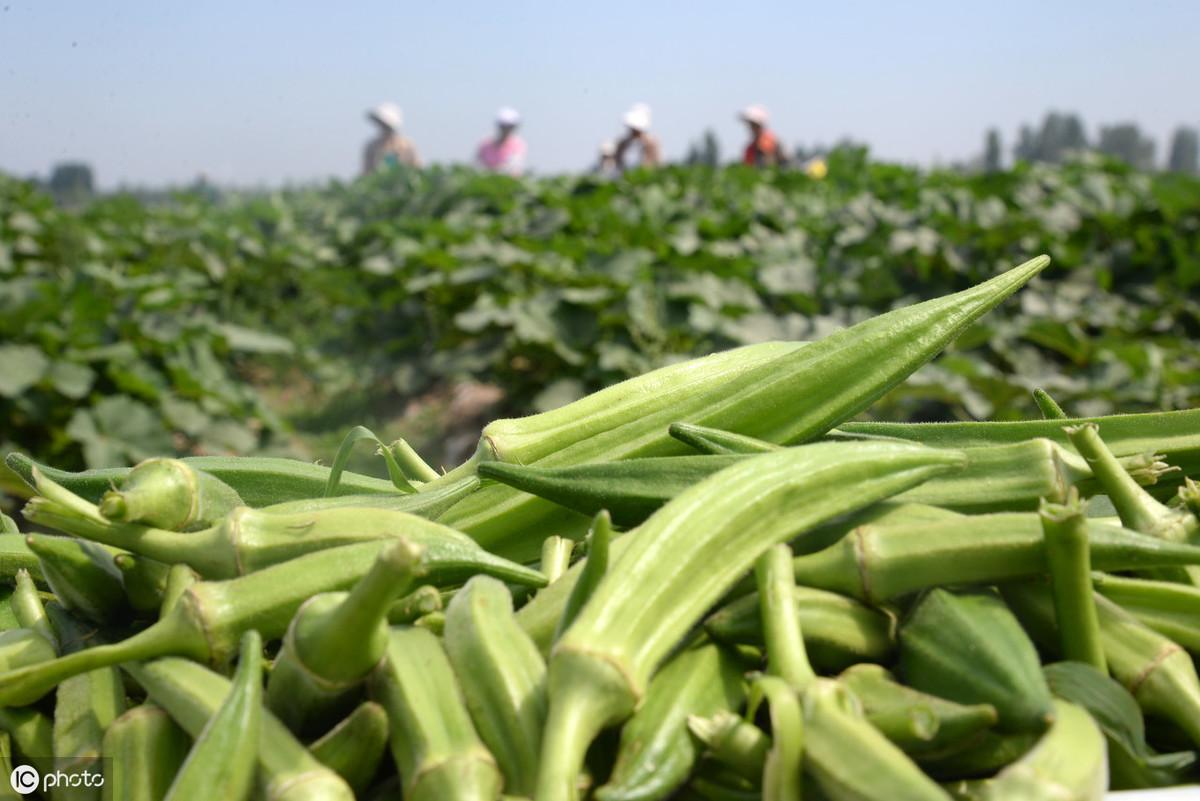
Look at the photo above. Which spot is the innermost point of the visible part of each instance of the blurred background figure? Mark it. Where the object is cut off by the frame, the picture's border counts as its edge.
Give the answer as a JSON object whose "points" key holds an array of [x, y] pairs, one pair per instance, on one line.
{"points": [[637, 132], [388, 148], [506, 151], [606, 164], [763, 149]]}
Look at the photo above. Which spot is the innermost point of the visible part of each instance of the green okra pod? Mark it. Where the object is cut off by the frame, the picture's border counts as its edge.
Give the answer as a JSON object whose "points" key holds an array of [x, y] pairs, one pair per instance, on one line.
{"points": [[20, 648], [355, 746], [8, 619], [1047, 406], [84, 706], [29, 611], [1068, 762], [179, 578], [783, 393], [434, 743], [32, 733], [258, 480], [1157, 672], [144, 580], [210, 616], [248, 540], [781, 626], [411, 463], [878, 562], [1069, 560], [144, 748], [335, 640], [733, 743], [429, 504], [783, 768], [7, 766], [683, 559], [82, 575], [221, 762], [716, 442], [969, 648], [657, 753], [192, 694], [850, 759], [917, 722], [502, 676], [1171, 609], [170, 494], [594, 566], [556, 556], [15, 555]]}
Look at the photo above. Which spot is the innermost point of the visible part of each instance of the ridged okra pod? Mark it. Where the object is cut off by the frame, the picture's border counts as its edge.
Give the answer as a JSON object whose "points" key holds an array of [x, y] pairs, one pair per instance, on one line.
{"points": [[430, 503], [15, 555], [28, 610], [733, 743], [221, 762], [170, 494], [248, 540], [32, 733], [850, 759], [790, 393], [502, 676], [556, 556], [1171, 609], [592, 570], [1048, 406], [191, 694], [209, 618], [144, 580], [20, 648], [434, 743], [786, 656], [717, 442], [84, 706], [145, 748], [916, 722], [1068, 762], [258, 480], [878, 562], [82, 575], [8, 792], [1069, 560], [682, 560], [335, 640], [1157, 672], [969, 648], [657, 752], [355, 746]]}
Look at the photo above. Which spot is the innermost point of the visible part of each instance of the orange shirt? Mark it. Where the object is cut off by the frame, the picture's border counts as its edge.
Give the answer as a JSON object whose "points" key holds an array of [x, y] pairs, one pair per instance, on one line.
{"points": [[763, 150]]}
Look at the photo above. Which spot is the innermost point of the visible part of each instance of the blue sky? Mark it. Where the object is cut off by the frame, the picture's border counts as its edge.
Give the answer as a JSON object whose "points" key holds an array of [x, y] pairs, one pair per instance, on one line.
{"points": [[263, 91]]}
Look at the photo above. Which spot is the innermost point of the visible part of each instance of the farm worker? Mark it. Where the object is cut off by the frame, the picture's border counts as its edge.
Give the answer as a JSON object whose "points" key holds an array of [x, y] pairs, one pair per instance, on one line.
{"points": [[763, 149], [506, 151], [637, 132], [606, 165], [388, 148]]}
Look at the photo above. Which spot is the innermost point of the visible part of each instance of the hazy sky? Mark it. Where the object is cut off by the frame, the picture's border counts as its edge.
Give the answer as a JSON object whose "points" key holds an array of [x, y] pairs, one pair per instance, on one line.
{"points": [[256, 91]]}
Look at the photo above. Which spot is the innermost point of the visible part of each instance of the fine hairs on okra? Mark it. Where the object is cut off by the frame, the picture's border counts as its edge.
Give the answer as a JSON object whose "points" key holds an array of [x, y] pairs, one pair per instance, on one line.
{"points": [[682, 560]]}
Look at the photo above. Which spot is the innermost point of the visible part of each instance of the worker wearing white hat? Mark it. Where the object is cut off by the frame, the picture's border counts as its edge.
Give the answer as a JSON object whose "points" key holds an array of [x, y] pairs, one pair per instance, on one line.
{"points": [[637, 132], [505, 152], [763, 149], [388, 147]]}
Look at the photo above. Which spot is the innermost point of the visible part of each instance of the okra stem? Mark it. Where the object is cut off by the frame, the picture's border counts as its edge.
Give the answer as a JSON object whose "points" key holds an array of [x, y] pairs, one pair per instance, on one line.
{"points": [[1069, 560], [776, 581], [1047, 406]]}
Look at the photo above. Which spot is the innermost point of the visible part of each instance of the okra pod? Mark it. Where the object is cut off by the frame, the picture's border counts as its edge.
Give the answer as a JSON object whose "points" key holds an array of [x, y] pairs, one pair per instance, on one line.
{"points": [[1171, 609], [1157, 672], [1047, 406], [84, 706], [29, 611], [15, 555], [144, 748], [716, 442], [210, 616], [221, 762], [657, 752], [783, 769], [916, 722], [683, 559], [258, 480], [556, 557], [248, 540], [170, 494], [969, 648], [1068, 762], [1069, 561], [733, 743], [429, 504], [594, 566], [794, 397], [191, 694], [433, 741], [82, 575], [876, 563], [144, 580], [179, 578], [850, 759], [355, 746], [20, 648], [335, 640], [502, 676], [32, 733]]}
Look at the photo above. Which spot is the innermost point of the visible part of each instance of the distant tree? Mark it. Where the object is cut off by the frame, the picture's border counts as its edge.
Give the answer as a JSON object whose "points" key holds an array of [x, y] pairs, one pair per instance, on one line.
{"points": [[71, 183], [707, 151], [1185, 151], [1060, 135], [1126, 142], [992, 151]]}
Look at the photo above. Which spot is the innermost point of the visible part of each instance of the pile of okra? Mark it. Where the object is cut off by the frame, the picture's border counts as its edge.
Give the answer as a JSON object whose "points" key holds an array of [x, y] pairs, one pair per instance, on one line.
{"points": [[705, 583]]}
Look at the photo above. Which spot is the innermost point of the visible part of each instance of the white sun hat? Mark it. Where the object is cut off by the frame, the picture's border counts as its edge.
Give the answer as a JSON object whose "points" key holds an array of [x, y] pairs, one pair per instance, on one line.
{"points": [[754, 113], [387, 114], [508, 116], [608, 147], [638, 117]]}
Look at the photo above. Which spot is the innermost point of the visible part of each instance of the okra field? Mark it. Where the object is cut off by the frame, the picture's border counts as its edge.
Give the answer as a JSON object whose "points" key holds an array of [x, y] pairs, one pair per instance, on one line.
{"points": [[883, 487]]}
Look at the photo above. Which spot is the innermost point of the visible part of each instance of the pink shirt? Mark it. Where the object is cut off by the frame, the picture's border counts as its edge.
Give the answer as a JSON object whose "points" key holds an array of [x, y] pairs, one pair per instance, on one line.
{"points": [[507, 156]]}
